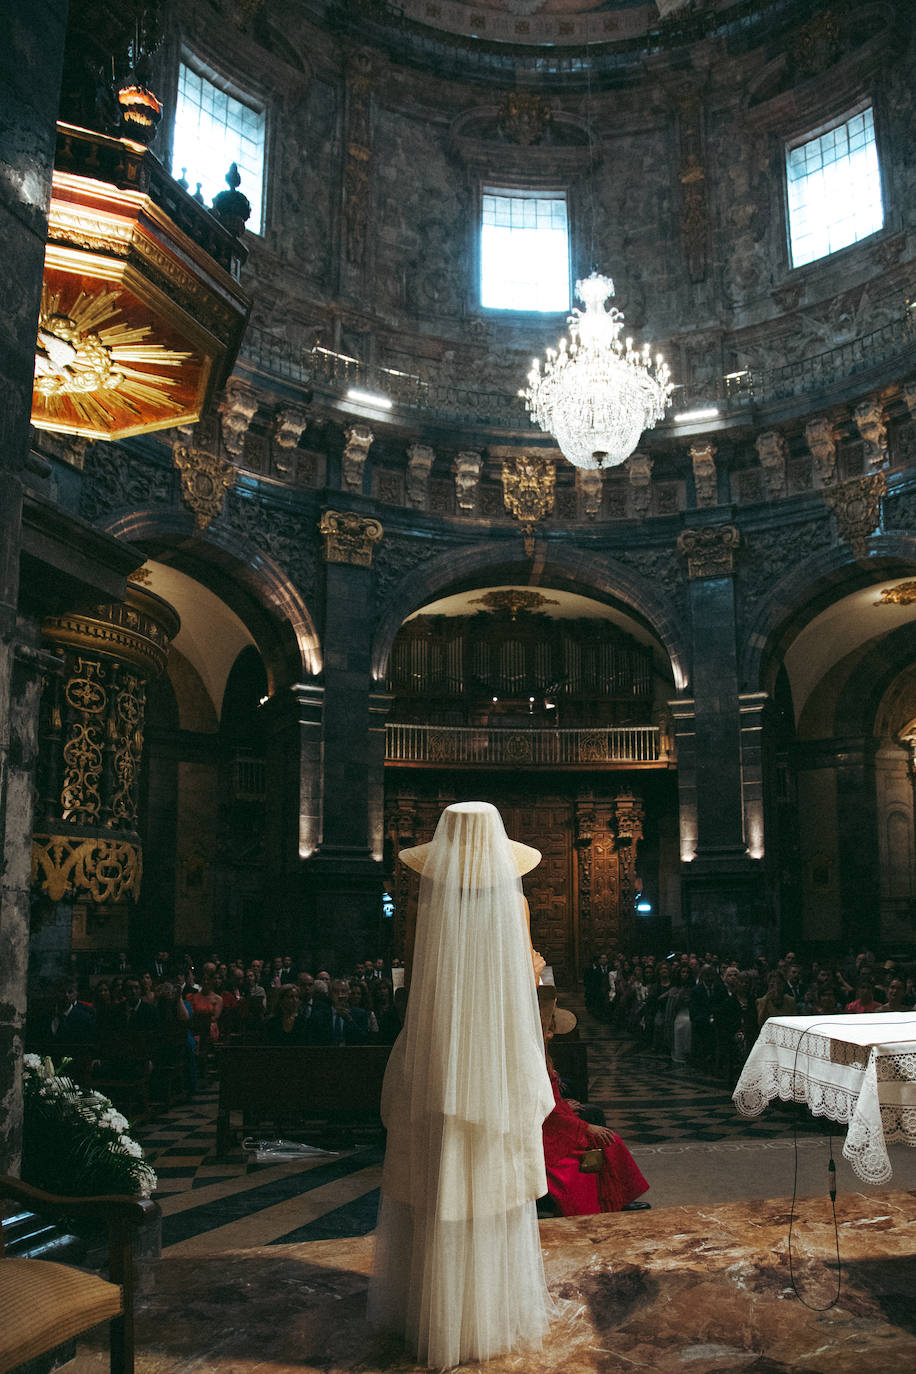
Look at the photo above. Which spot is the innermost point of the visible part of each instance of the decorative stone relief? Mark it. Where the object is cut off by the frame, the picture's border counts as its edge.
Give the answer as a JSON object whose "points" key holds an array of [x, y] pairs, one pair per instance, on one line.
{"points": [[639, 468], [396, 557], [821, 440], [770, 553], [205, 479], [286, 537], [529, 483], [857, 507], [703, 457], [466, 468], [590, 485], [909, 397], [289, 425], [523, 117], [349, 538], [871, 422], [357, 164], [692, 176], [420, 458], [115, 478], [356, 451], [710, 552], [772, 450], [236, 410]]}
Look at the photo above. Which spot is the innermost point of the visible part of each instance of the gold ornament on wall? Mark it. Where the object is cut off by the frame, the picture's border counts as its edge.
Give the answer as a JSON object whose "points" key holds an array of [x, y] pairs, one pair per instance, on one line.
{"points": [[529, 485], [104, 870], [205, 479], [904, 594], [349, 538], [710, 552], [512, 600], [523, 117]]}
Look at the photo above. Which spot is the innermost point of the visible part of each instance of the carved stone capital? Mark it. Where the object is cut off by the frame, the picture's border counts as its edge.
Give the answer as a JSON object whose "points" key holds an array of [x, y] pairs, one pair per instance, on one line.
{"points": [[871, 422], [420, 458], [821, 440], [289, 424], [590, 483], [772, 450], [857, 507], [630, 815], [349, 538], [703, 457], [639, 472], [710, 552], [356, 451], [236, 410], [466, 469], [205, 479]]}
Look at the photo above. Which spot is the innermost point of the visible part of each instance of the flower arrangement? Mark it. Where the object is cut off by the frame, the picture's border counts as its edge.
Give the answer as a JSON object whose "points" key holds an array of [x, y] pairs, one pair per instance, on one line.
{"points": [[75, 1142]]}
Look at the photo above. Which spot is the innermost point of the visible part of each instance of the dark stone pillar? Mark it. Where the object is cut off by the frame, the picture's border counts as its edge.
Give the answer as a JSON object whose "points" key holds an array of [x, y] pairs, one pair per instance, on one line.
{"points": [[31, 55], [293, 811]]}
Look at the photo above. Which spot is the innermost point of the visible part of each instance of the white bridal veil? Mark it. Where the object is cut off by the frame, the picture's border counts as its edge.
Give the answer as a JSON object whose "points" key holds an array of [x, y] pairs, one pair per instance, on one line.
{"points": [[458, 1268]]}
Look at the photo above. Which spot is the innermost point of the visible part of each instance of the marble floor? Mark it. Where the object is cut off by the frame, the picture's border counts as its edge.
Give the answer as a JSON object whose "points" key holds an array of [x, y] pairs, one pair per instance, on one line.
{"points": [[264, 1266]]}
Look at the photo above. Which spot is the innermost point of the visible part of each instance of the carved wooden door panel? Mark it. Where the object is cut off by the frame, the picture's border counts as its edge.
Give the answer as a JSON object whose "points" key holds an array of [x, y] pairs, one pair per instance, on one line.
{"points": [[547, 825]]}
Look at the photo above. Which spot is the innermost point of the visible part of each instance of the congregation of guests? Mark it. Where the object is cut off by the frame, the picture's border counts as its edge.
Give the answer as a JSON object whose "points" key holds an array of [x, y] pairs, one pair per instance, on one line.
{"points": [[169, 1013], [708, 1011]]}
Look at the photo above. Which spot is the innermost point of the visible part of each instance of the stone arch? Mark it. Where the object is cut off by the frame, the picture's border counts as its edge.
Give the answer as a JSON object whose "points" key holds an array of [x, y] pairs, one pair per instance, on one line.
{"points": [[858, 709], [806, 590], [588, 574], [248, 580]]}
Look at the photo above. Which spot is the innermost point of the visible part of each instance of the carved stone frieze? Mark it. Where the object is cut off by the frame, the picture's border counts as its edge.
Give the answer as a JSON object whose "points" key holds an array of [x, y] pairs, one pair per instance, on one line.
{"points": [[357, 163], [639, 470], [236, 410], [772, 450], [661, 569], [821, 439], [349, 538], [356, 450], [97, 869], [857, 504], [117, 478], [590, 485], [692, 176], [703, 457], [871, 422], [769, 553], [205, 479], [420, 458], [397, 556], [710, 551], [289, 539], [466, 469]]}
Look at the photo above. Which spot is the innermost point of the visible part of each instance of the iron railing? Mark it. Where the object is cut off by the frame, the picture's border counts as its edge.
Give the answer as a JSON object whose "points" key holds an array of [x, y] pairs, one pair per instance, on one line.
{"points": [[447, 745]]}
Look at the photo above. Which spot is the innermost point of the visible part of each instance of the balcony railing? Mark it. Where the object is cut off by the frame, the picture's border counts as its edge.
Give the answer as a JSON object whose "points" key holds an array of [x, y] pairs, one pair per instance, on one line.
{"points": [[447, 745]]}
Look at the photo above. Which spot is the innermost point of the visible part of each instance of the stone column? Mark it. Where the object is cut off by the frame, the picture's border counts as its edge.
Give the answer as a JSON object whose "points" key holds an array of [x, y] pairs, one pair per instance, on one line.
{"points": [[344, 876], [293, 807], [33, 38], [723, 905]]}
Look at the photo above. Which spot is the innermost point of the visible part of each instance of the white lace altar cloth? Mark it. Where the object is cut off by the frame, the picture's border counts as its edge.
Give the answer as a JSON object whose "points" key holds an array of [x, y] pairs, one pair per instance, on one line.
{"points": [[859, 1070]]}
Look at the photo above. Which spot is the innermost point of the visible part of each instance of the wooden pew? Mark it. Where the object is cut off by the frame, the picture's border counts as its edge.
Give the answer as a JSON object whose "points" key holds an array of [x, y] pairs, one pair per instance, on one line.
{"points": [[289, 1085]]}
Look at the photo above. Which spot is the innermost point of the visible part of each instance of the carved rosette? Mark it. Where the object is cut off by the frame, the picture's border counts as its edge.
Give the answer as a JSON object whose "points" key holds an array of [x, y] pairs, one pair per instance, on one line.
{"points": [[857, 506], [420, 459], [349, 538], [703, 457], [639, 469], [356, 450], [466, 470], [85, 842], [710, 552], [590, 485], [871, 422], [772, 450], [205, 479], [821, 440]]}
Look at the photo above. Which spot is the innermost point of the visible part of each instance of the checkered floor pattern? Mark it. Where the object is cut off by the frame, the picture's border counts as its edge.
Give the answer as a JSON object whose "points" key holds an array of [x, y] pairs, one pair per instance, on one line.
{"points": [[648, 1101]]}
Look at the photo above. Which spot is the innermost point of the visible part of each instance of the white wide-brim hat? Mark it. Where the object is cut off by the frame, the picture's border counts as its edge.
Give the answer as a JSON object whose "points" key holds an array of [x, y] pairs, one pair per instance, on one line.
{"points": [[524, 855]]}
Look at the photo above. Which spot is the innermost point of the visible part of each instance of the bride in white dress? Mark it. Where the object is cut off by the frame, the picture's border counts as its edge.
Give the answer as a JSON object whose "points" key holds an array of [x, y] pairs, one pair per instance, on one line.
{"points": [[458, 1267]]}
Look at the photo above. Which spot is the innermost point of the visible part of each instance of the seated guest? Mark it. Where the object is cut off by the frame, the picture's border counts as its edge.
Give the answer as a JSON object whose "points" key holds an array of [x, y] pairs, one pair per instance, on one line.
{"points": [[896, 996], [569, 1142], [287, 1026], [340, 1023], [827, 1003], [69, 1021], [389, 1023], [777, 1001], [864, 1002]]}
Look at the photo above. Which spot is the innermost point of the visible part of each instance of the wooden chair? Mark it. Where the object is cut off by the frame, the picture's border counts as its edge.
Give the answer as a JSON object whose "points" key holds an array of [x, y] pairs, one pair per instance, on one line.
{"points": [[44, 1304]]}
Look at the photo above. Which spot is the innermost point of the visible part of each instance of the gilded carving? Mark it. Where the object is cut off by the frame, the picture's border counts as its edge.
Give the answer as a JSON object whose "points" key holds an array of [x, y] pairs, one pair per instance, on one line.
{"points": [[356, 451], [205, 479], [529, 484], [523, 117], [871, 422], [904, 594], [512, 600], [101, 869], [710, 552], [703, 457], [349, 538], [772, 450], [857, 506], [821, 440]]}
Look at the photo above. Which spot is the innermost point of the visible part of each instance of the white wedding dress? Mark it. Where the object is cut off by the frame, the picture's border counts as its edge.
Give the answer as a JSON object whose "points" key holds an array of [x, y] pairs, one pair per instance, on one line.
{"points": [[458, 1268]]}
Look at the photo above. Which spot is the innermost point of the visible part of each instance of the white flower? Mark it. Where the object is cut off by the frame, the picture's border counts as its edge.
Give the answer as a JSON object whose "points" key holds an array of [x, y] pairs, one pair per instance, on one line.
{"points": [[130, 1147], [31, 1061]]}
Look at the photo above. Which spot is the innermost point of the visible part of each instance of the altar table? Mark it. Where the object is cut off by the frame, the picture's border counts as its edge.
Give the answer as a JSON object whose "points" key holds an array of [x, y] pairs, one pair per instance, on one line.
{"points": [[858, 1070]]}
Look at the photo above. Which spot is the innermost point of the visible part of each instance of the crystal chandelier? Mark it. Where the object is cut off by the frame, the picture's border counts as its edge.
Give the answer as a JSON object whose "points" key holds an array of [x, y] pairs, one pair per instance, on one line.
{"points": [[597, 393]]}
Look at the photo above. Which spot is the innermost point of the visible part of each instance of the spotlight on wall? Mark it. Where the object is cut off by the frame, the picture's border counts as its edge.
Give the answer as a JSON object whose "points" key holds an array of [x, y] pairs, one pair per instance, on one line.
{"points": [[643, 907], [701, 413], [369, 398]]}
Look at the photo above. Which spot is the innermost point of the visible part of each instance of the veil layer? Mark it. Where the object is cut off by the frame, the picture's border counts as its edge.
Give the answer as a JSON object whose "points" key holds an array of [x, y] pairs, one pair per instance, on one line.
{"points": [[458, 1262]]}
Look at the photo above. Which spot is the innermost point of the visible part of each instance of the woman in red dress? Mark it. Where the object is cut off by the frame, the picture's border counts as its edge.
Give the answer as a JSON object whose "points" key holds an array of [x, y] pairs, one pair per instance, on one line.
{"points": [[567, 1137]]}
